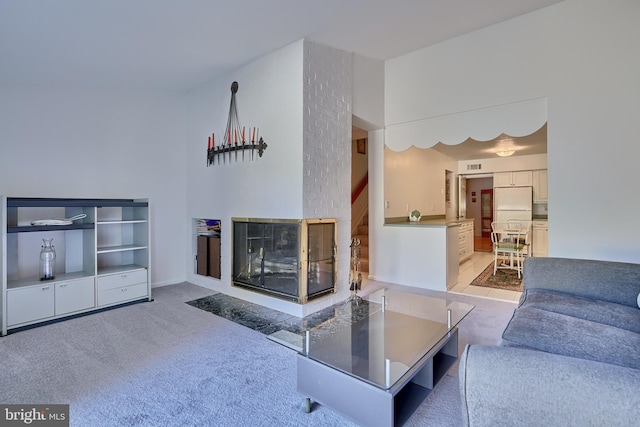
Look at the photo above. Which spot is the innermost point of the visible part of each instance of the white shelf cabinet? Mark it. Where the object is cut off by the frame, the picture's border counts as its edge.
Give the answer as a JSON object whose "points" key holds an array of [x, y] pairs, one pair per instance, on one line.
{"points": [[111, 241]]}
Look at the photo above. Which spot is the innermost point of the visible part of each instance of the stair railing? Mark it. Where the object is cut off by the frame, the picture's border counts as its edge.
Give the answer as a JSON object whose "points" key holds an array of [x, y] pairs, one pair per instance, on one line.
{"points": [[361, 186]]}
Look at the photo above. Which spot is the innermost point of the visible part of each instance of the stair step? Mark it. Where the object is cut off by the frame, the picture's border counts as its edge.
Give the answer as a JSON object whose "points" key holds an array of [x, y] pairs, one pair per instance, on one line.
{"points": [[364, 252], [362, 229]]}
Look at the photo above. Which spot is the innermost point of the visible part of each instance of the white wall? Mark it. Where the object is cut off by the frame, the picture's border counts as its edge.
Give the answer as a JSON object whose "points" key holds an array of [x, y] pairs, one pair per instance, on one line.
{"points": [[415, 179], [368, 92], [270, 97], [286, 181], [504, 164], [399, 252], [63, 142], [579, 55]]}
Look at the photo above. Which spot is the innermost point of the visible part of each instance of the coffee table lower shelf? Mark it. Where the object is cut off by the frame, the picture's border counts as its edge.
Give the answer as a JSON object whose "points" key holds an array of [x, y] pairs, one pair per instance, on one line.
{"points": [[367, 404]]}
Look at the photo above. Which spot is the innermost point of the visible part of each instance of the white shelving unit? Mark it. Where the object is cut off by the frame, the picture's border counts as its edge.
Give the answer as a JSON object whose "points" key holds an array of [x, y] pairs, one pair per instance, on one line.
{"points": [[102, 260]]}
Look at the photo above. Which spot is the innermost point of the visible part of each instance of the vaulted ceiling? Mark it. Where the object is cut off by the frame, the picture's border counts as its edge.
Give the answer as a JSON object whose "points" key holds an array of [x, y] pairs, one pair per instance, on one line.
{"points": [[175, 45]]}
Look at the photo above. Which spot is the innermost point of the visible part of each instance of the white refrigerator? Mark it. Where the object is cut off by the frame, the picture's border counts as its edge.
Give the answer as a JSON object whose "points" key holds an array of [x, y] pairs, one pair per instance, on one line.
{"points": [[513, 203]]}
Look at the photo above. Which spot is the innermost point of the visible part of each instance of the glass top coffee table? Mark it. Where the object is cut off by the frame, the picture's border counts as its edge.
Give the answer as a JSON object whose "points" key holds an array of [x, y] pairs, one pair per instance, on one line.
{"points": [[377, 367]]}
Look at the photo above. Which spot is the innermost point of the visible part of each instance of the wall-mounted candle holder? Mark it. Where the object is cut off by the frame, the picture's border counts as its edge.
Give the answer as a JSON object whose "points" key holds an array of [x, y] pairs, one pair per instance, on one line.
{"points": [[220, 155], [234, 138]]}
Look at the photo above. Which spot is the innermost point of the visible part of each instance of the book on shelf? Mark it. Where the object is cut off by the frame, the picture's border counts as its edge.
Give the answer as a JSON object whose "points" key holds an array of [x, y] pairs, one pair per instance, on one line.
{"points": [[208, 227]]}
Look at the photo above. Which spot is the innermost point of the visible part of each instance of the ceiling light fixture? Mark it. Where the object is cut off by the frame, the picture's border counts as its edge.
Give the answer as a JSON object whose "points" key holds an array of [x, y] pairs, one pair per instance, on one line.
{"points": [[505, 147], [505, 153]]}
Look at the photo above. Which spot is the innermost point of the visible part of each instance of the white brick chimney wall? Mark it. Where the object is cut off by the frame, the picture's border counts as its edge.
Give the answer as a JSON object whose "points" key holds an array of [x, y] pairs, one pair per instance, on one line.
{"points": [[327, 80]]}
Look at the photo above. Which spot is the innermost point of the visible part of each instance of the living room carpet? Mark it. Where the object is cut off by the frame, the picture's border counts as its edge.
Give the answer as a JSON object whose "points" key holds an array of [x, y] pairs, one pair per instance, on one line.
{"points": [[503, 279], [171, 364]]}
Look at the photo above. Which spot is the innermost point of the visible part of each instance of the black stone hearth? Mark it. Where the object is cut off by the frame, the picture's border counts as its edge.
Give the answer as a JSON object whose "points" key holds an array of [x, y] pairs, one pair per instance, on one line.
{"points": [[269, 322]]}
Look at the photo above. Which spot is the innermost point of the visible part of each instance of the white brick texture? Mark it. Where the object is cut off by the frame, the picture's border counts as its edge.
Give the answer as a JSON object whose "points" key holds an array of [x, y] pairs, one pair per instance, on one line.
{"points": [[327, 143]]}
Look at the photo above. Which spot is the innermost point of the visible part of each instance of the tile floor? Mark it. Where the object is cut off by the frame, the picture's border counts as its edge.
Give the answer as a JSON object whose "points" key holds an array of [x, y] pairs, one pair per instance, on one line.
{"points": [[470, 269]]}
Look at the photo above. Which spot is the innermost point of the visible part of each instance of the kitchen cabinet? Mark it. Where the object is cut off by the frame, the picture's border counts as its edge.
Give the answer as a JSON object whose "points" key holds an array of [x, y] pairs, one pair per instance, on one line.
{"points": [[513, 179], [540, 186], [465, 240], [539, 241]]}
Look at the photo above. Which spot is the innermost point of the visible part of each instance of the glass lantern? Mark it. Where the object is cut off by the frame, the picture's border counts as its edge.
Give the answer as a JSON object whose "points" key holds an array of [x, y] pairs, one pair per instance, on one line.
{"points": [[47, 260]]}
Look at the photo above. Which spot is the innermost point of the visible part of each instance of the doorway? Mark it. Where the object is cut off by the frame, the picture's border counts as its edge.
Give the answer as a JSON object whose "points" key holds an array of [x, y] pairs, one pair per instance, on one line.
{"points": [[360, 195], [479, 206]]}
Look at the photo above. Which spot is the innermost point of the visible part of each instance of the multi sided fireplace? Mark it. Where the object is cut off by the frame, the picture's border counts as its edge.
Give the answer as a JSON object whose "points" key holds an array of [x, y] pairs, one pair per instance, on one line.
{"points": [[287, 258]]}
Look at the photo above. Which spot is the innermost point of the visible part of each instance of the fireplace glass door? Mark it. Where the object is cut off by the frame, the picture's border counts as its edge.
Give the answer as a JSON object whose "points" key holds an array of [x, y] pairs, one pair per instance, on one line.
{"points": [[321, 267], [291, 259], [266, 256]]}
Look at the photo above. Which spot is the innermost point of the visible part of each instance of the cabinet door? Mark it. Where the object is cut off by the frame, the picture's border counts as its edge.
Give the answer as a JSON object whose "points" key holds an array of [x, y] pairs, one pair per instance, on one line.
{"points": [[540, 241], [502, 179], [513, 179], [540, 186], [462, 245], [522, 179], [74, 295], [29, 304], [214, 257], [203, 256]]}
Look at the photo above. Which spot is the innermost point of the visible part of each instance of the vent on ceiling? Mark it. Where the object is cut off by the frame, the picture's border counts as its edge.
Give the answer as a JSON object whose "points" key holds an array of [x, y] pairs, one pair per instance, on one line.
{"points": [[474, 167]]}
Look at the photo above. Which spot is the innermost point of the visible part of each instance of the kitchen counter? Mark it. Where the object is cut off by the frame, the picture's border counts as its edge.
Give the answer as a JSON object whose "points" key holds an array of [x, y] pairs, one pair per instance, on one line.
{"points": [[432, 241], [428, 221]]}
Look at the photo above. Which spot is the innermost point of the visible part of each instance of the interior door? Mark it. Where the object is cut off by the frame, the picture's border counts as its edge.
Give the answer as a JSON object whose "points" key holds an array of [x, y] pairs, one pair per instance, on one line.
{"points": [[486, 200]]}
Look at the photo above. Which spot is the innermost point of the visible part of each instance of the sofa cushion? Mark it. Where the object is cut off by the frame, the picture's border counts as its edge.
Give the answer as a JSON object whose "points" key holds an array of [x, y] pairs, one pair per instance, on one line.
{"points": [[608, 313], [570, 336], [603, 280]]}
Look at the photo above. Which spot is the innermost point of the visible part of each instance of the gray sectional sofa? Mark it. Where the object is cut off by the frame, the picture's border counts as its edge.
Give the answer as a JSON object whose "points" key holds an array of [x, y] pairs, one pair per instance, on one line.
{"points": [[570, 355]]}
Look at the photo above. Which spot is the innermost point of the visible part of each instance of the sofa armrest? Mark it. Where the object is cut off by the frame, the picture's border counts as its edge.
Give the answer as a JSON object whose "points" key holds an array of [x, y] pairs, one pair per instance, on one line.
{"points": [[616, 282], [522, 387]]}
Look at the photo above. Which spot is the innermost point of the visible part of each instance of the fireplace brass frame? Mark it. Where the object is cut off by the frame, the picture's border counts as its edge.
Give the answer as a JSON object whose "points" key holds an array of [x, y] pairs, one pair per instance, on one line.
{"points": [[303, 257]]}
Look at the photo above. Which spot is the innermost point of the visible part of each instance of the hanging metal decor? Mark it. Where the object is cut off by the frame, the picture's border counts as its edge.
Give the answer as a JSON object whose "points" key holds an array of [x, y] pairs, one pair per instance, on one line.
{"points": [[234, 139]]}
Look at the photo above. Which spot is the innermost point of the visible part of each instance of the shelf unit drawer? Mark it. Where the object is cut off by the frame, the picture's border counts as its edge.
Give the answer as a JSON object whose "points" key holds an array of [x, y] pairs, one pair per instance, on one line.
{"points": [[123, 294], [74, 295], [119, 280]]}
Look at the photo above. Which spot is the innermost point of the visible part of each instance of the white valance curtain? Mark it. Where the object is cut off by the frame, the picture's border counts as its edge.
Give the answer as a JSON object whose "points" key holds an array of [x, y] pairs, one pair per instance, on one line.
{"points": [[514, 119]]}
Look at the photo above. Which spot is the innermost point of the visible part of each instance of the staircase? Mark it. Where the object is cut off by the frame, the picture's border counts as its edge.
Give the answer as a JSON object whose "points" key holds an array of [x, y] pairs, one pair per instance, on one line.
{"points": [[362, 233]]}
